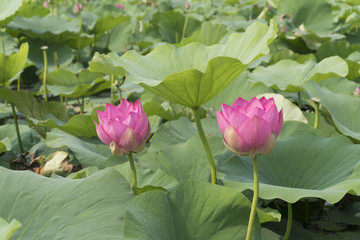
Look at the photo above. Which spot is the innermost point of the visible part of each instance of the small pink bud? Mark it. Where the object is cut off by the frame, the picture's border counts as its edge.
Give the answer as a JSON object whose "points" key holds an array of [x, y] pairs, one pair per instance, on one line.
{"points": [[357, 92], [120, 6], [45, 4], [187, 5], [125, 127], [77, 8], [250, 127]]}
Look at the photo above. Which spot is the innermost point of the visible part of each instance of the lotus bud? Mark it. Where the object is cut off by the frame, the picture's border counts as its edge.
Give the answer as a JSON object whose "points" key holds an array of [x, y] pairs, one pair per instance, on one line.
{"points": [[77, 8], [187, 5], [357, 92], [119, 6], [125, 127], [250, 127]]}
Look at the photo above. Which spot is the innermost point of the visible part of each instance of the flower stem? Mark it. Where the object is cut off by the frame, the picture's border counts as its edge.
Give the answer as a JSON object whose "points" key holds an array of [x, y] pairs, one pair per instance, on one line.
{"points": [[255, 198], [3, 46], [185, 26], [299, 99], [206, 145], [289, 222], [17, 129], [316, 108], [133, 174], [45, 71], [112, 88]]}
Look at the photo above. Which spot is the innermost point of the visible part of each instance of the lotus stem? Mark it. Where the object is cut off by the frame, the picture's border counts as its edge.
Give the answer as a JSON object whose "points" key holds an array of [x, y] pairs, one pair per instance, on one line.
{"points": [[206, 145], [56, 59], [44, 48], [299, 99], [3, 45], [289, 222], [316, 121], [133, 173], [18, 83], [255, 198], [112, 88], [17, 128], [185, 26], [108, 39]]}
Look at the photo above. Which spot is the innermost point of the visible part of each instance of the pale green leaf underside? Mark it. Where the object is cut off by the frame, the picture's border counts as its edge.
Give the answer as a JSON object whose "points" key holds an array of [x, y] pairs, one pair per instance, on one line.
{"points": [[8, 229], [5, 145], [12, 64], [289, 75]]}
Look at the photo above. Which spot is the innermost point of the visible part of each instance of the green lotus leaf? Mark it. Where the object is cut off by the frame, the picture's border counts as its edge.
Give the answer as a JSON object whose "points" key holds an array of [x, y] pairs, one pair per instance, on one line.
{"points": [[5, 145], [209, 34], [50, 29], [289, 75], [349, 215], [104, 24], [8, 229], [30, 107], [89, 152], [301, 165], [8, 8], [344, 109], [102, 63], [66, 83], [11, 65], [65, 208], [191, 210], [170, 25], [193, 74], [316, 16]]}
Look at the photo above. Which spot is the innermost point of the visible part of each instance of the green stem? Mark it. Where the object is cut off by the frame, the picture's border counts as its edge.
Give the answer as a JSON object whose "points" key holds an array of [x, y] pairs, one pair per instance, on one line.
{"points": [[79, 37], [206, 145], [289, 222], [18, 83], [185, 26], [56, 59], [3, 46], [112, 88], [82, 105], [108, 39], [45, 72], [255, 198], [299, 99], [17, 129], [133, 173], [316, 108]]}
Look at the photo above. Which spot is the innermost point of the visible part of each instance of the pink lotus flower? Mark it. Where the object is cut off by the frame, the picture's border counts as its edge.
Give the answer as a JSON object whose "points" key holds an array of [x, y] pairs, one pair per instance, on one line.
{"points": [[124, 127], [250, 127], [77, 8], [120, 6]]}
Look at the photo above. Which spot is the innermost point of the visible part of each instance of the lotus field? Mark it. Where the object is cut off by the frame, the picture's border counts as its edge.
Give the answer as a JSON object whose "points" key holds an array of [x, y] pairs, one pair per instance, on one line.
{"points": [[180, 120]]}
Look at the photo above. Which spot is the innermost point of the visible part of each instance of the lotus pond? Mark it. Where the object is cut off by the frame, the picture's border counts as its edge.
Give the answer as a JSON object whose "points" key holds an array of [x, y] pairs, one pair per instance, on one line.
{"points": [[174, 119]]}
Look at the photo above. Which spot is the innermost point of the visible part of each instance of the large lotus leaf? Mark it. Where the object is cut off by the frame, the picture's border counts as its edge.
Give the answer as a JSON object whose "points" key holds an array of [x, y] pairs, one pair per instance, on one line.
{"points": [[79, 125], [89, 152], [192, 210], [8, 8], [315, 15], [240, 87], [104, 24], [209, 34], [170, 25], [5, 145], [344, 109], [63, 52], [289, 75], [301, 165], [89, 208], [30, 107], [119, 40], [8, 229], [102, 63], [184, 162], [10, 65], [66, 83], [50, 29], [193, 74]]}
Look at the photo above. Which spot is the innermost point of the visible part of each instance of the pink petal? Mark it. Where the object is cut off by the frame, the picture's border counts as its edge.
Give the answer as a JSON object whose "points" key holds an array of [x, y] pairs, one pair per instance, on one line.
{"points": [[263, 100], [279, 125], [269, 103], [114, 129], [237, 119], [104, 137], [136, 107], [268, 146], [131, 141], [142, 126], [120, 6], [226, 110], [239, 103], [102, 116], [254, 107], [222, 122], [111, 111], [255, 131], [124, 107], [234, 142], [130, 119], [271, 116]]}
